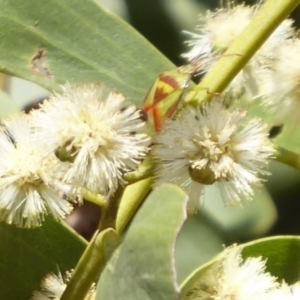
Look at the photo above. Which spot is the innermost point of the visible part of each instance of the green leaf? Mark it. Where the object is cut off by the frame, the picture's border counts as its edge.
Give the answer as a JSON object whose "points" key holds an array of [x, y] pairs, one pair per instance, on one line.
{"points": [[75, 41], [191, 251], [7, 106], [251, 221], [289, 136], [216, 225], [26, 256], [143, 266], [282, 254], [91, 263], [191, 282], [289, 139]]}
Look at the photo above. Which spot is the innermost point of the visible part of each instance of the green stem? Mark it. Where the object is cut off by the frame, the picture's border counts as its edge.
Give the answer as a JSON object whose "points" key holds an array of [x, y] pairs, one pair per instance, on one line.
{"points": [[94, 198], [91, 264], [109, 213], [132, 199], [288, 157], [94, 257], [269, 17], [145, 171]]}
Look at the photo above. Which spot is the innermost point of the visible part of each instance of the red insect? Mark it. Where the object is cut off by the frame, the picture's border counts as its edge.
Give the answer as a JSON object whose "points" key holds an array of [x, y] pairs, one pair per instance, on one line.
{"points": [[166, 94]]}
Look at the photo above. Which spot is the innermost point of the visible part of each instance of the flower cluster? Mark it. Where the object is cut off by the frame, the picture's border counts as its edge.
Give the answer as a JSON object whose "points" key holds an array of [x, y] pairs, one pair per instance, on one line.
{"points": [[86, 139], [280, 86], [217, 31], [31, 176], [105, 139], [101, 139], [212, 145], [231, 277], [215, 143]]}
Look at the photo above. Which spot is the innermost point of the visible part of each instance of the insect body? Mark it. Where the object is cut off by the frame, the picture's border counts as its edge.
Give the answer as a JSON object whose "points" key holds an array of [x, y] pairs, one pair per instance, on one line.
{"points": [[166, 94], [167, 91]]}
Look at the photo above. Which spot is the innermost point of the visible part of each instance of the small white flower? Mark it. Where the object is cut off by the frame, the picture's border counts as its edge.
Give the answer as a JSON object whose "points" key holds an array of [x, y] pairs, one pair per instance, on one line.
{"points": [[211, 144], [295, 290], [53, 286], [284, 32], [231, 277], [219, 30], [30, 177], [104, 136], [284, 292], [281, 82]]}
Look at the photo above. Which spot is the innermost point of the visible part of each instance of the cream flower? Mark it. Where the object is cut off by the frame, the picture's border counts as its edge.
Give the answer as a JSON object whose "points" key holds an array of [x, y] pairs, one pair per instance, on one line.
{"points": [[231, 277], [284, 292], [219, 30], [104, 136], [280, 86], [211, 144], [53, 286], [30, 177]]}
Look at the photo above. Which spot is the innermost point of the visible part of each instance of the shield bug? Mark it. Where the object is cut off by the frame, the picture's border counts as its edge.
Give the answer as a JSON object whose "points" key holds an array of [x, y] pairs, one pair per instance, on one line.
{"points": [[166, 94]]}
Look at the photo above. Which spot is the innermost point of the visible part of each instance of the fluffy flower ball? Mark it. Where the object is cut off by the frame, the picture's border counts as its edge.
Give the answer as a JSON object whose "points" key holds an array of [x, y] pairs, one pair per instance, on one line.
{"points": [[280, 86], [30, 176], [53, 286], [212, 144], [234, 278], [231, 277], [215, 34], [104, 135]]}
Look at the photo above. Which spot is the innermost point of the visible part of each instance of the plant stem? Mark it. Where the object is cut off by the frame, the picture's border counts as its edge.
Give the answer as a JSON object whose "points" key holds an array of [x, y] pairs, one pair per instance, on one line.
{"points": [[90, 264], [269, 17], [288, 157], [95, 255], [145, 171], [102, 245], [94, 198], [109, 213], [3, 81], [132, 199]]}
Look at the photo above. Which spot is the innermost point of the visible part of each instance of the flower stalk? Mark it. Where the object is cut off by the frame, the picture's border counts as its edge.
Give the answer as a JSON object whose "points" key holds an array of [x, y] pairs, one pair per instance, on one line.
{"points": [[132, 198], [94, 198], [110, 211], [105, 239], [288, 157], [144, 171], [91, 264], [272, 13], [95, 256]]}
